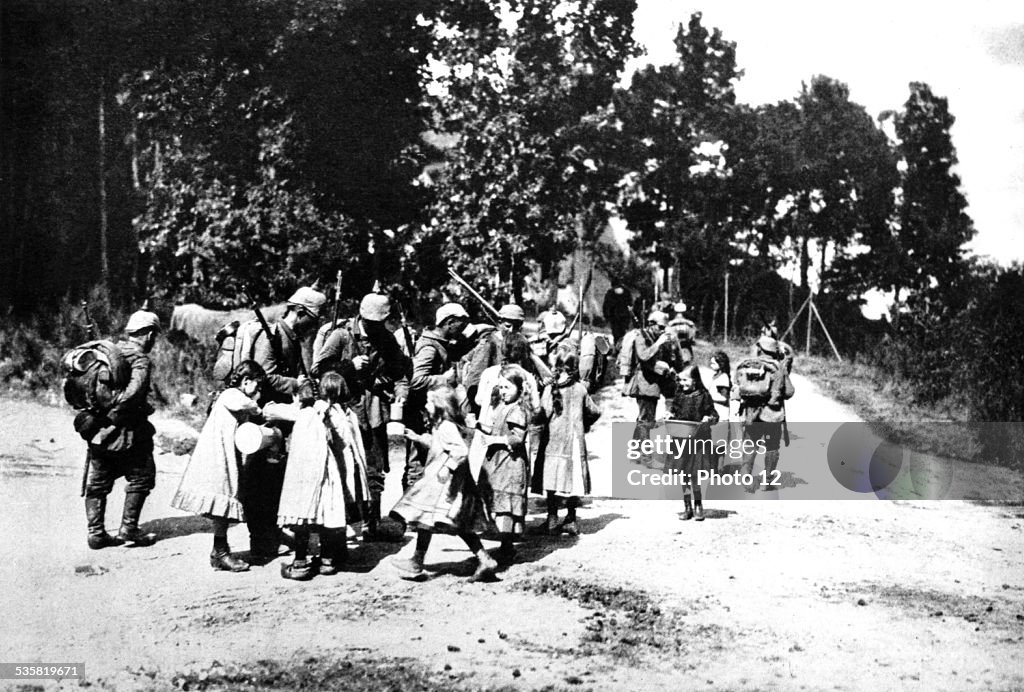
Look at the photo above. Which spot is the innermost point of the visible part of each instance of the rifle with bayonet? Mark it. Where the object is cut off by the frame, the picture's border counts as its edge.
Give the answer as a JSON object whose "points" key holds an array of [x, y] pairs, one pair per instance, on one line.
{"points": [[410, 349], [336, 314], [577, 318], [275, 347], [90, 333], [492, 315]]}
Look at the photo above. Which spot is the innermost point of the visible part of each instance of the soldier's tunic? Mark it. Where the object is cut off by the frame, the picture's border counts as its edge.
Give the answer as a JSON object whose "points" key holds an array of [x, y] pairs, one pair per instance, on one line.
{"points": [[433, 356], [124, 446], [264, 473]]}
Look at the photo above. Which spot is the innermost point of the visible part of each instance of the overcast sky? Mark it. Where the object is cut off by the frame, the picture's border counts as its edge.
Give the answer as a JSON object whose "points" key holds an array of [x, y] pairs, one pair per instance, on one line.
{"points": [[969, 52]]}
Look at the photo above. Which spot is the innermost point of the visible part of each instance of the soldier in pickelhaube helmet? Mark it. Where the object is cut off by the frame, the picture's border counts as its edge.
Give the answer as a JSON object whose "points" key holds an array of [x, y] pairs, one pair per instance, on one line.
{"points": [[364, 351], [279, 353], [121, 441]]}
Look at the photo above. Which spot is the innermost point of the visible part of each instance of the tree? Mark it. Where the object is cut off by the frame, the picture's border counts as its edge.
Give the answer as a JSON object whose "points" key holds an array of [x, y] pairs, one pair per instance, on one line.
{"points": [[844, 172], [518, 94], [676, 204], [280, 144], [933, 224]]}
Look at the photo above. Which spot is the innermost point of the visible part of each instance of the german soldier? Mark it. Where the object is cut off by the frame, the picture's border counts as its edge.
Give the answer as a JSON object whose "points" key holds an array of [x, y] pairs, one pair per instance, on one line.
{"points": [[121, 443], [765, 419], [280, 354], [658, 360], [366, 354], [436, 352]]}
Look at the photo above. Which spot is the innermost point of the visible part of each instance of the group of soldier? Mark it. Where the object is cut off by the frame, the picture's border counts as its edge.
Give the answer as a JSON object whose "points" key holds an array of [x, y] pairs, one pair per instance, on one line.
{"points": [[388, 372]]}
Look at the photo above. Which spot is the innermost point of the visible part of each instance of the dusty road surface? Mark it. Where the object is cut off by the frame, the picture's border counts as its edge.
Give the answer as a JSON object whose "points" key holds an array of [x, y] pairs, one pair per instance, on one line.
{"points": [[762, 595]]}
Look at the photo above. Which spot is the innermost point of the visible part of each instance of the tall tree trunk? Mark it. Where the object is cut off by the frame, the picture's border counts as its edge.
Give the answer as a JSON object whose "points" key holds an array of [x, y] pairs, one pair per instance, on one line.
{"points": [[136, 184], [821, 266], [377, 240], [515, 288], [102, 161], [805, 261]]}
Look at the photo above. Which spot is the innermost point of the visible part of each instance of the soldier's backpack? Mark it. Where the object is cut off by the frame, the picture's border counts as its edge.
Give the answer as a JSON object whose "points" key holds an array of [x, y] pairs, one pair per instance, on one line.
{"points": [[324, 333], [237, 343], [95, 373], [754, 377], [627, 361]]}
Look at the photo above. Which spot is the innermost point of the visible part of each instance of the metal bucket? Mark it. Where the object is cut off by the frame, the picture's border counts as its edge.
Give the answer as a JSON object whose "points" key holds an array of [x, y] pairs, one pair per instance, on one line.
{"points": [[251, 438]]}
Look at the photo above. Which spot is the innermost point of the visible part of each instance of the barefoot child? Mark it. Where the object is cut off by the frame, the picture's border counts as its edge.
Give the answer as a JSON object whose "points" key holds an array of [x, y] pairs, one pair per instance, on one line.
{"points": [[211, 481], [570, 412], [446, 499], [692, 403], [325, 484]]}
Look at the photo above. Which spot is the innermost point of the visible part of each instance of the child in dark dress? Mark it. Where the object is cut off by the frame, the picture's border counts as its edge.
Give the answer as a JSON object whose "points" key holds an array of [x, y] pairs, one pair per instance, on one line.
{"points": [[692, 403]]}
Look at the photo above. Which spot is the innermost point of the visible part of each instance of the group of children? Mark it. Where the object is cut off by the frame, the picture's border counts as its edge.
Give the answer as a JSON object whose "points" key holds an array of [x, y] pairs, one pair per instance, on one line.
{"points": [[325, 488], [475, 482]]}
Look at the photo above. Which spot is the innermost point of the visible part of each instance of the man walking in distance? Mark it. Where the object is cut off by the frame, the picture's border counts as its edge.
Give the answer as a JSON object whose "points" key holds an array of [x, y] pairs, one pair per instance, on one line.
{"points": [[123, 443], [364, 351], [765, 418], [279, 353], [657, 360], [617, 311], [433, 363]]}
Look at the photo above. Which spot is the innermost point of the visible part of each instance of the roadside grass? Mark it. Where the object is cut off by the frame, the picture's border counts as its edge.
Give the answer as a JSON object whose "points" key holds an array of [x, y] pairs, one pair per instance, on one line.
{"points": [[31, 350], [888, 405]]}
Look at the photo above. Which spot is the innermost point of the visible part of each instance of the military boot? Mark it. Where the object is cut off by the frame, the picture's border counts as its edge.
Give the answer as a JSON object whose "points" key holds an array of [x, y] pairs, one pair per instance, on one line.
{"points": [[95, 509], [130, 532]]}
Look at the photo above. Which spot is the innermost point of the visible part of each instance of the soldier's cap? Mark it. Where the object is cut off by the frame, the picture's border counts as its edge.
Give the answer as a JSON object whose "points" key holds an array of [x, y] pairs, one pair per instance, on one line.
{"points": [[658, 317], [142, 320], [375, 307], [512, 313], [449, 310], [679, 307], [768, 345], [309, 299]]}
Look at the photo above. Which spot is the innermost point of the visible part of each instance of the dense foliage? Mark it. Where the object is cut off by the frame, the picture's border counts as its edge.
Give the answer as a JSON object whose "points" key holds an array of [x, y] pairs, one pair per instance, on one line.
{"points": [[188, 150]]}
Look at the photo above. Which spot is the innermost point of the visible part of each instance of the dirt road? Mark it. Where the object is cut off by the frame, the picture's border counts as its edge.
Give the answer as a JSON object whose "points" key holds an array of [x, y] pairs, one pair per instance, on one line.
{"points": [[783, 595]]}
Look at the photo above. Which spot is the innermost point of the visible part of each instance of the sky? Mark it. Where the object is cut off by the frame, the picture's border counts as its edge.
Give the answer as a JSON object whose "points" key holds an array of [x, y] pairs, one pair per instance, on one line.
{"points": [[971, 53]]}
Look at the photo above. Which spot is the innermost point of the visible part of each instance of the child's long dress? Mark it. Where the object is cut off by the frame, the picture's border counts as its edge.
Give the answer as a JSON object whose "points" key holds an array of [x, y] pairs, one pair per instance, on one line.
{"points": [[451, 506], [505, 475], [325, 478], [211, 481], [534, 430], [566, 469]]}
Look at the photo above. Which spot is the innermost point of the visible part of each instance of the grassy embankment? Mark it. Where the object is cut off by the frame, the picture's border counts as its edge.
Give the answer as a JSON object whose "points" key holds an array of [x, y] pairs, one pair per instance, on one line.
{"points": [[887, 404]]}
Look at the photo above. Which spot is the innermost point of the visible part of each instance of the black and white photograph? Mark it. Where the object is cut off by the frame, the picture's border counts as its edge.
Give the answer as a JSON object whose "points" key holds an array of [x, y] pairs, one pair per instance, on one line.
{"points": [[511, 345]]}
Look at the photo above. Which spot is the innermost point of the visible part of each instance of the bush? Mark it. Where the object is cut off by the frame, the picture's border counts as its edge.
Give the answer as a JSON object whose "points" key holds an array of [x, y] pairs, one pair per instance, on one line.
{"points": [[968, 357], [31, 351]]}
